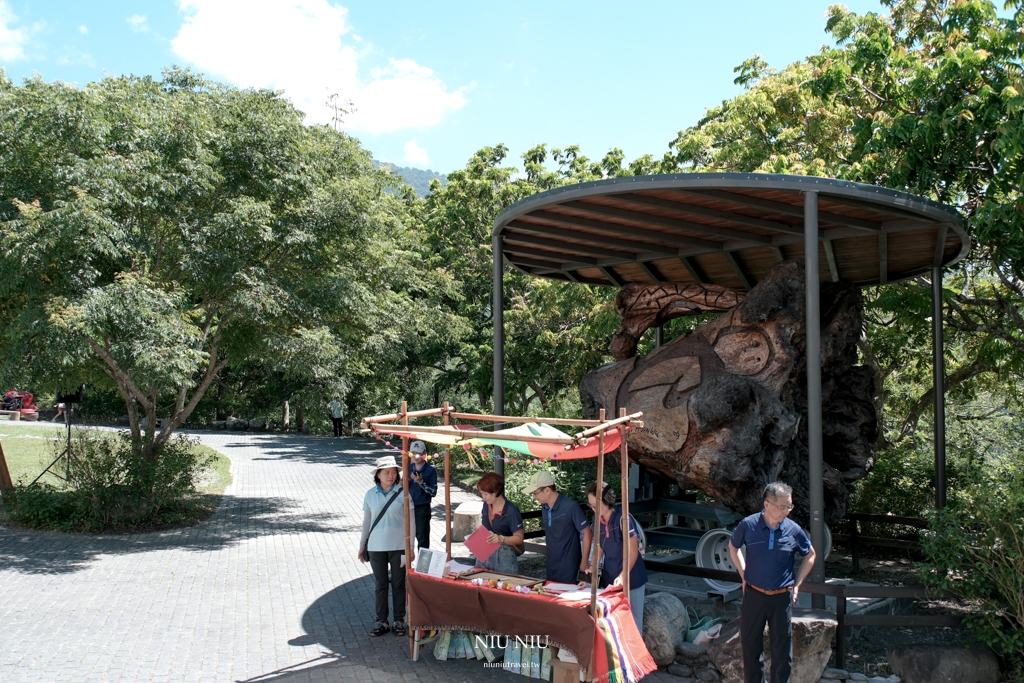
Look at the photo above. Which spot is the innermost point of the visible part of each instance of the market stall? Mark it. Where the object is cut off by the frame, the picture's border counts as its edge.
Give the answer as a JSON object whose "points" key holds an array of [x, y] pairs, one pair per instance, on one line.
{"points": [[599, 631]]}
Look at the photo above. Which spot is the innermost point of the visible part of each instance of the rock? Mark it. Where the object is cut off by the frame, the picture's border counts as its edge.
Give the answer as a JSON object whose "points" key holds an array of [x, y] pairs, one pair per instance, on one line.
{"points": [[858, 677], [122, 420], [665, 624], [812, 639], [680, 670], [926, 663], [258, 423], [707, 674], [234, 424], [835, 674], [465, 520], [219, 424], [690, 651]]}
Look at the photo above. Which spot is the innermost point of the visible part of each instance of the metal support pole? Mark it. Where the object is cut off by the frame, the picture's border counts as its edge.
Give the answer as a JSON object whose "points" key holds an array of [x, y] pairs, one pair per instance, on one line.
{"points": [[498, 315], [815, 470], [939, 376], [659, 336]]}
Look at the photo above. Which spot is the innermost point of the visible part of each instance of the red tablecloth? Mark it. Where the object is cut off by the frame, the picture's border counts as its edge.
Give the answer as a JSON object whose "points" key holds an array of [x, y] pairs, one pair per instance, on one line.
{"points": [[460, 605]]}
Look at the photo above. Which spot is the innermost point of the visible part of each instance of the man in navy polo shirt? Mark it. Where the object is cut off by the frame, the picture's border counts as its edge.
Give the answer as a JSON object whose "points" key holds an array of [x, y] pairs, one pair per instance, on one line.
{"points": [[564, 522], [422, 489], [770, 540]]}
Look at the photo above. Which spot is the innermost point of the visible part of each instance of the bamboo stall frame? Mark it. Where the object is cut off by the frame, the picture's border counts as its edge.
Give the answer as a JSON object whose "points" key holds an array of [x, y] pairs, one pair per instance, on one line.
{"points": [[382, 424]]}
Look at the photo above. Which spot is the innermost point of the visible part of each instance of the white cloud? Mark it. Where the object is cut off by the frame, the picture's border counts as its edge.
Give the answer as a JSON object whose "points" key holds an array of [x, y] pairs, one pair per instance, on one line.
{"points": [[138, 23], [415, 155], [12, 40], [83, 29], [299, 46]]}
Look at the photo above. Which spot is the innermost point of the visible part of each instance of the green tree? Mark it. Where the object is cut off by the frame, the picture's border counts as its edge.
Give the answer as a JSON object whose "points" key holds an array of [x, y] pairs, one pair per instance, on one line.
{"points": [[157, 233]]}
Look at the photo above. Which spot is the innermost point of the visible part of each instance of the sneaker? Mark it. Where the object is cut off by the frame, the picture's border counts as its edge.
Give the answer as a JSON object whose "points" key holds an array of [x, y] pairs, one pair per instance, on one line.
{"points": [[398, 628], [379, 629]]}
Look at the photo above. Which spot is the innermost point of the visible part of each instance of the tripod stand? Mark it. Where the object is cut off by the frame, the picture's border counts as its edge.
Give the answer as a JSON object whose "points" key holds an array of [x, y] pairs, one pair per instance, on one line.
{"points": [[66, 453], [68, 400]]}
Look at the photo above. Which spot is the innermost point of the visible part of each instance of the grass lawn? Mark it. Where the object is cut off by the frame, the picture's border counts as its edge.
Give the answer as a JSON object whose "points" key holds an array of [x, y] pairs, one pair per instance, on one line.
{"points": [[29, 448]]}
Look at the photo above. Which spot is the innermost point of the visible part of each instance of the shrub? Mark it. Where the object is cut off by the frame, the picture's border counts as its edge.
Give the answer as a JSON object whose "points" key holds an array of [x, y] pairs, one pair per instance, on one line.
{"points": [[110, 485], [975, 547]]}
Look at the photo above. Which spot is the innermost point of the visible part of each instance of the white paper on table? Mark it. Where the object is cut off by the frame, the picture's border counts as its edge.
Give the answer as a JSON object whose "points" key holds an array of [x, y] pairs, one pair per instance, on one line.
{"points": [[458, 567], [560, 587], [583, 594]]}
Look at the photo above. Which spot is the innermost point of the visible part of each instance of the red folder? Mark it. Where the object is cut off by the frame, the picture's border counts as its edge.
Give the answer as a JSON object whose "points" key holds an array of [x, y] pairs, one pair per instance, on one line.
{"points": [[478, 545]]}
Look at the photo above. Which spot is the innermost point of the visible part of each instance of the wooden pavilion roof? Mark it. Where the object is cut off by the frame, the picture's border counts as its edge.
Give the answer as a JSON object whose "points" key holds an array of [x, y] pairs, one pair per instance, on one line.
{"points": [[726, 229]]}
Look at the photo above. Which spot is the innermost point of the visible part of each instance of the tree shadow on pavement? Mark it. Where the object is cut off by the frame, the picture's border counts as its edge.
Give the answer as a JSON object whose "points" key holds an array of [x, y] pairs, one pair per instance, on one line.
{"points": [[319, 450], [338, 623], [237, 519]]}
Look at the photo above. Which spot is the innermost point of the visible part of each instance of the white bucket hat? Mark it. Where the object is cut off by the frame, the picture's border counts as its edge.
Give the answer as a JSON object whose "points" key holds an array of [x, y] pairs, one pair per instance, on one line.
{"points": [[384, 462]]}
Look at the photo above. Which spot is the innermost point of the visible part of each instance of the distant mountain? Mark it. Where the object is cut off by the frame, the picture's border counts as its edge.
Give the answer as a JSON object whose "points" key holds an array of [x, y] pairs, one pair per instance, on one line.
{"points": [[417, 178]]}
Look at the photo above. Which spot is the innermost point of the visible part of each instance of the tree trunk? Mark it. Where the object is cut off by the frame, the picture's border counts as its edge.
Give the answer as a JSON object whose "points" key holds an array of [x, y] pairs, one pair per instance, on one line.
{"points": [[725, 407], [299, 421], [286, 418]]}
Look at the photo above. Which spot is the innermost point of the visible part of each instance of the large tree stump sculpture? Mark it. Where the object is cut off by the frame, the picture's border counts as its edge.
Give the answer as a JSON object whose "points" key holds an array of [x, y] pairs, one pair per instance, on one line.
{"points": [[725, 406]]}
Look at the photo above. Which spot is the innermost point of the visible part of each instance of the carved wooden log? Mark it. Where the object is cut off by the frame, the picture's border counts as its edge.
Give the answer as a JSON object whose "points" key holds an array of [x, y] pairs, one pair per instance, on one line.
{"points": [[725, 407], [645, 306]]}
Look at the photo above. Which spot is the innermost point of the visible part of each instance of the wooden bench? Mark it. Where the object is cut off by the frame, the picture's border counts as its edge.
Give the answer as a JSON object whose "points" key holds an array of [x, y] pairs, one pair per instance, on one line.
{"points": [[13, 414]]}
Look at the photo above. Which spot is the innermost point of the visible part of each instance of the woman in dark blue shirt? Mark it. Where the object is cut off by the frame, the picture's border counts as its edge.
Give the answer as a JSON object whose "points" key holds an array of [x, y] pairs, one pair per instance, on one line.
{"points": [[502, 518], [610, 534]]}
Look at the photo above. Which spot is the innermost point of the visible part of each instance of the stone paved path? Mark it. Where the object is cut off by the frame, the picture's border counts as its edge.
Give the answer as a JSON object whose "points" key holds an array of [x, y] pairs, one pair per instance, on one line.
{"points": [[268, 589]]}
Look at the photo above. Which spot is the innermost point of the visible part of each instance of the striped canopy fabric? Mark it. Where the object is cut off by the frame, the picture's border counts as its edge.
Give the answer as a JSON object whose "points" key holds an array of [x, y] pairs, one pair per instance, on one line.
{"points": [[542, 450]]}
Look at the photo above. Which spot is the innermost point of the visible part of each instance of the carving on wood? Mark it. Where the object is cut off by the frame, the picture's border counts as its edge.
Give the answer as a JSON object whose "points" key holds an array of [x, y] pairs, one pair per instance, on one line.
{"points": [[645, 306], [725, 406]]}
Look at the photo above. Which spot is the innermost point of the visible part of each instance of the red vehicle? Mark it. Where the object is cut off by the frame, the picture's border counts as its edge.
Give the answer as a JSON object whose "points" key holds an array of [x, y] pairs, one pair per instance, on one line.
{"points": [[18, 400]]}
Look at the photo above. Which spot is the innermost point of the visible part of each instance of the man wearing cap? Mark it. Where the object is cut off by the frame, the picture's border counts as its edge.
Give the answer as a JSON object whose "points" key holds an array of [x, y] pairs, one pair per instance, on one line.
{"points": [[422, 489], [769, 586], [564, 522]]}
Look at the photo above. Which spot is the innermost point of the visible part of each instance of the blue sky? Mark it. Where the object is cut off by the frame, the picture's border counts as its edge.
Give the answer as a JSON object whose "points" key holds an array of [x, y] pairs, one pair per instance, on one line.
{"points": [[433, 82]]}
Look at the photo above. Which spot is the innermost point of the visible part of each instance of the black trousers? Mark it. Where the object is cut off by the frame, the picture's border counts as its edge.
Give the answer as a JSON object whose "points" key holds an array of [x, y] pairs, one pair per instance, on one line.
{"points": [[379, 562], [422, 513], [338, 422], [776, 611]]}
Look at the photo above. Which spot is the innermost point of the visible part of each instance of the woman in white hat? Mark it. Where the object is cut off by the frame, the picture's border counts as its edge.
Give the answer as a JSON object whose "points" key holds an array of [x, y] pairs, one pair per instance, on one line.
{"points": [[383, 543]]}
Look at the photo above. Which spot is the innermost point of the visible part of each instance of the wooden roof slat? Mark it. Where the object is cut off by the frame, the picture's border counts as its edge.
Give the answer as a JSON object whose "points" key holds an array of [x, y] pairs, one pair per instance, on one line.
{"points": [[532, 240], [600, 240], [560, 258], [786, 209], [694, 210], [620, 229], [654, 202], [871, 206], [674, 223]]}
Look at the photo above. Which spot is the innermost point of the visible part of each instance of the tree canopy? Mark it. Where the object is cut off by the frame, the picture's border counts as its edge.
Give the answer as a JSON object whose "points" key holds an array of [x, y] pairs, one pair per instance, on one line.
{"points": [[157, 234]]}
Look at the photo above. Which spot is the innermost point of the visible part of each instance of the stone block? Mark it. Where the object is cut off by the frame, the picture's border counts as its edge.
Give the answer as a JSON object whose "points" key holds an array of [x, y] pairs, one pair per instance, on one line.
{"points": [[927, 663], [812, 638], [665, 624]]}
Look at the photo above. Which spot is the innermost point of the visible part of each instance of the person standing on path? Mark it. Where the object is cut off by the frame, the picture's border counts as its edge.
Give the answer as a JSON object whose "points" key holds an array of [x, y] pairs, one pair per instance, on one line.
{"points": [[771, 541], [382, 543], [422, 489], [337, 416], [564, 524], [610, 536]]}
